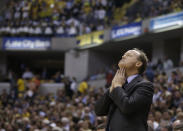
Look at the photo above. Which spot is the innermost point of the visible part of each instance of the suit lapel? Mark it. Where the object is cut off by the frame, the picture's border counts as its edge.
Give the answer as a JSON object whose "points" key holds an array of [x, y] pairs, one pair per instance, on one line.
{"points": [[130, 86]]}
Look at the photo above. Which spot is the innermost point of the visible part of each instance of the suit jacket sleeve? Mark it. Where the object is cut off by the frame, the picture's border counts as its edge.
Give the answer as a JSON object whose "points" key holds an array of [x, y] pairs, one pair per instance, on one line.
{"points": [[103, 104], [140, 98]]}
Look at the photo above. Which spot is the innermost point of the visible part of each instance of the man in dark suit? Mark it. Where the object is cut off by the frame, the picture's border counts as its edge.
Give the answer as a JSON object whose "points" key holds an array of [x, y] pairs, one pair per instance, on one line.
{"points": [[127, 102]]}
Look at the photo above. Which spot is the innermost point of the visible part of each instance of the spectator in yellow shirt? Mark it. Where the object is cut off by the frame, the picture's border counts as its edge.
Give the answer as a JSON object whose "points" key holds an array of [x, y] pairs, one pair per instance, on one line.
{"points": [[21, 86], [83, 86]]}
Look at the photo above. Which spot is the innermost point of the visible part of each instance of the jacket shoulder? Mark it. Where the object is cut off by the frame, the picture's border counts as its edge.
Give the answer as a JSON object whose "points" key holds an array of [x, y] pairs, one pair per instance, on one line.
{"points": [[145, 83]]}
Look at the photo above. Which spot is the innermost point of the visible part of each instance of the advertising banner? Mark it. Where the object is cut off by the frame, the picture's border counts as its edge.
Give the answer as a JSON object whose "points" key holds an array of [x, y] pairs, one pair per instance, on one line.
{"points": [[167, 22], [90, 40], [126, 30], [23, 43]]}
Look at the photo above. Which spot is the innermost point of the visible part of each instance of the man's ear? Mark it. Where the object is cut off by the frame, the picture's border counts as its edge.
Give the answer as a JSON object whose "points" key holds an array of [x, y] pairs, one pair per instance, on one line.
{"points": [[138, 64]]}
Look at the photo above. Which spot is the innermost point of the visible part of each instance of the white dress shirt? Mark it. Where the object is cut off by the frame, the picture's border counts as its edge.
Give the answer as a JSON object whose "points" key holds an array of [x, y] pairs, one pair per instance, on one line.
{"points": [[130, 78]]}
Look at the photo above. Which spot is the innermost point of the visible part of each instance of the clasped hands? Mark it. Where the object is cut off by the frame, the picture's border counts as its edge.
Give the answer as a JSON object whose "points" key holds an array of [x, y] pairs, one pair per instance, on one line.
{"points": [[119, 79]]}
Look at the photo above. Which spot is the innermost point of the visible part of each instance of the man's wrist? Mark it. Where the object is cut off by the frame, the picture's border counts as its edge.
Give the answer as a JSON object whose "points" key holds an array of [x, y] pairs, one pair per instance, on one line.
{"points": [[113, 87]]}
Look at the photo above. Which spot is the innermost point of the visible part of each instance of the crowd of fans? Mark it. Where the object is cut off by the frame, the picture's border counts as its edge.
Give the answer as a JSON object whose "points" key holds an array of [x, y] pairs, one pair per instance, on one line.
{"points": [[141, 9], [72, 107], [55, 17], [167, 101], [75, 17]]}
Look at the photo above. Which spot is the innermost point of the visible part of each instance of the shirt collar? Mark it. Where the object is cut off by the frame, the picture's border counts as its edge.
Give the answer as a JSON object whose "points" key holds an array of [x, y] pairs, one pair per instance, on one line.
{"points": [[130, 78]]}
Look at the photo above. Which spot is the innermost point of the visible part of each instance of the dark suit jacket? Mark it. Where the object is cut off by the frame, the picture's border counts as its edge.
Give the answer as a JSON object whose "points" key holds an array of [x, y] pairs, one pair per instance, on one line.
{"points": [[127, 107]]}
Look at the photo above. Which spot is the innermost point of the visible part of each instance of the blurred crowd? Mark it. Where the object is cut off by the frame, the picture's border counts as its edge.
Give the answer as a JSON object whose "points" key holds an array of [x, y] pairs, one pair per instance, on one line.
{"points": [[55, 17], [58, 112], [167, 101], [75, 17], [24, 108], [142, 9]]}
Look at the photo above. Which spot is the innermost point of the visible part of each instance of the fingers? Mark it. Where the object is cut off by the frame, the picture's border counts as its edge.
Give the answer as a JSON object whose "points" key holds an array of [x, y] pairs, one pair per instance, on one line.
{"points": [[122, 72], [119, 78], [116, 73]]}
